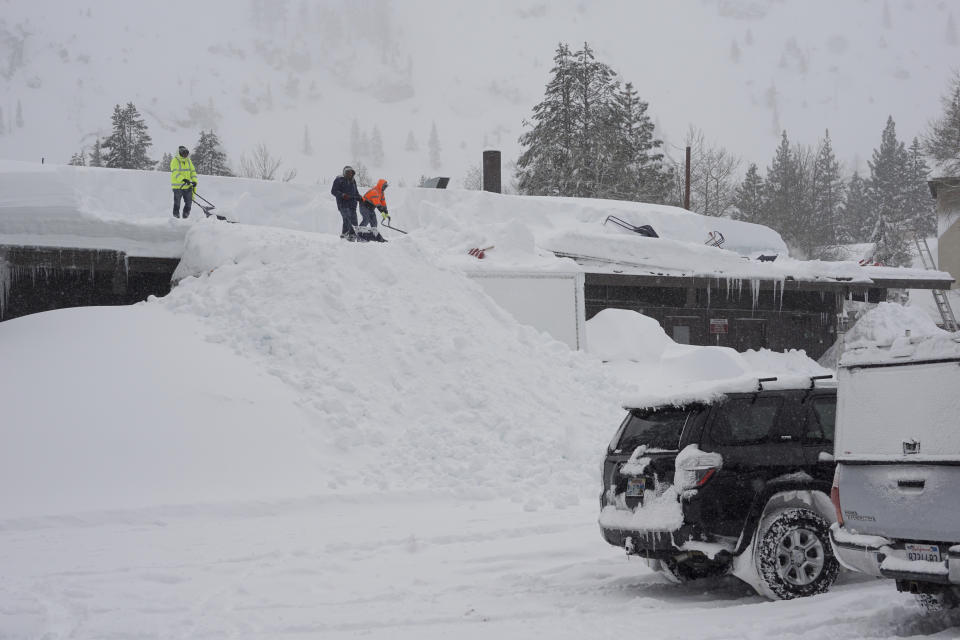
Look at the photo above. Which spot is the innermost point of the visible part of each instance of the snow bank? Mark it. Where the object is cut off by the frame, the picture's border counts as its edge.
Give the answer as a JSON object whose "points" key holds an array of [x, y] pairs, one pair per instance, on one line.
{"points": [[881, 335], [662, 372], [880, 326], [387, 372], [121, 407], [620, 334]]}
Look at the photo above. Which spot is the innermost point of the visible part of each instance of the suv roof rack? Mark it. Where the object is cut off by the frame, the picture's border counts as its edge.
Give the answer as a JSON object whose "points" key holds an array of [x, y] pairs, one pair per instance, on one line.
{"points": [[760, 382], [813, 379]]}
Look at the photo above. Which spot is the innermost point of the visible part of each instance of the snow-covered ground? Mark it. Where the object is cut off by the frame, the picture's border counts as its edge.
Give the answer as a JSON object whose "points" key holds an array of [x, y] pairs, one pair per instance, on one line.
{"points": [[314, 438], [392, 566]]}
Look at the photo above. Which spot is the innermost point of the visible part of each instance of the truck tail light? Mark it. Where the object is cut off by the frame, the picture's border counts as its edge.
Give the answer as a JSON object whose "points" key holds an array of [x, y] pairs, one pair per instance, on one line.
{"points": [[695, 468], [835, 496]]}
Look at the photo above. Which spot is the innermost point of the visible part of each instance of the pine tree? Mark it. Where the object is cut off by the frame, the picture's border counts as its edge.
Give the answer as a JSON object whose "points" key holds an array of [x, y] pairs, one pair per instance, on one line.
{"points": [[887, 198], [921, 212], [96, 154], [411, 144], [164, 164], [782, 193], [19, 116], [593, 89], [748, 198], [208, 156], [307, 146], [433, 144], [942, 141], [589, 137], [637, 171], [546, 165], [855, 224], [376, 148], [79, 159], [827, 199], [128, 144], [889, 245]]}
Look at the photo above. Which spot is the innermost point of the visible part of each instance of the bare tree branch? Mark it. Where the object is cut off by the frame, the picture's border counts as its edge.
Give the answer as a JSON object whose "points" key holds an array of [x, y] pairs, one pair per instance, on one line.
{"points": [[261, 164]]}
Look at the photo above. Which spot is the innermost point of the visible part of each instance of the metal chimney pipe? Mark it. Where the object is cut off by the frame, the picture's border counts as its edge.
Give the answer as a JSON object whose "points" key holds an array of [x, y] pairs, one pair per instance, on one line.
{"points": [[491, 172]]}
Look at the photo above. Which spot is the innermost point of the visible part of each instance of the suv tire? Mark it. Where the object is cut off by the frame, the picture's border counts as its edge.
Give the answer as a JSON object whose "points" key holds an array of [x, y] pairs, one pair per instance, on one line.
{"points": [[794, 558]]}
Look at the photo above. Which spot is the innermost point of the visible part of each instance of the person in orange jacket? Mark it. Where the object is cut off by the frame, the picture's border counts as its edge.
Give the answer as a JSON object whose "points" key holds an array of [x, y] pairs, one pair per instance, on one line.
{"points": [[373, 198]]}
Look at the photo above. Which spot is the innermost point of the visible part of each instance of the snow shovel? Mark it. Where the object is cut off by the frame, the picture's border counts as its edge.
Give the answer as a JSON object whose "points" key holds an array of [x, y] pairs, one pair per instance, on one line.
{"points": [[479, 254], [207, 209], [386, 223]]}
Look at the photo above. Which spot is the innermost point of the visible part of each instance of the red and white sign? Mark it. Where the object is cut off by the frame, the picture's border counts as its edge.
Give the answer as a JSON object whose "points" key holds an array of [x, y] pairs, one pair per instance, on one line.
{"points": [[719, 325]]}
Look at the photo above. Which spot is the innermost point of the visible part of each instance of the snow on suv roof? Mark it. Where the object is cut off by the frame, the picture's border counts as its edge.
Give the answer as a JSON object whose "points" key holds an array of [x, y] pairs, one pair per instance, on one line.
{"points": [[708, 392]]}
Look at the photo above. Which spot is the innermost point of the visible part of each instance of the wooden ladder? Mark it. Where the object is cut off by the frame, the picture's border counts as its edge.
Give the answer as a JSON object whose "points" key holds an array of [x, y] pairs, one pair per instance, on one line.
{"points": [[939, 295]]}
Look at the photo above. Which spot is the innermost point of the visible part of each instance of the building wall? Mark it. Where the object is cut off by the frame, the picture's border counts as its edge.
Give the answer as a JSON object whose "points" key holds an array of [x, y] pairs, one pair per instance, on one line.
{"points": [[782, 320], [948, 225]]}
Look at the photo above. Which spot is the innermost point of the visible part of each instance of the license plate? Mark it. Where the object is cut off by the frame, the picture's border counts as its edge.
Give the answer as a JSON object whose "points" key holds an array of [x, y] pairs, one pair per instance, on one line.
{"points": [[635, 487], [928, 552]]}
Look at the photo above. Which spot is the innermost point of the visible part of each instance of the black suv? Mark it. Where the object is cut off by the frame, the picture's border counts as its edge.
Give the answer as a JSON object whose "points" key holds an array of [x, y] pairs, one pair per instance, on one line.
{"points": [[738, 485]]}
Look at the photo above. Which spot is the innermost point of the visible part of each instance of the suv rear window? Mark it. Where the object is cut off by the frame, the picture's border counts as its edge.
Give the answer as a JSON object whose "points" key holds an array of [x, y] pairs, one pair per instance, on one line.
{"points": [[820, 424], [745, 420], [657, 428]]}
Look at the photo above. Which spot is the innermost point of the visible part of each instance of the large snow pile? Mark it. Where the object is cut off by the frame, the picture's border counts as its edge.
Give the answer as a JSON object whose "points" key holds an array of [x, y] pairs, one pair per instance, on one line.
{"points": [[125, 407], [892, 332], [887, 322], [660, 371], [621, 334], [397, 374]]}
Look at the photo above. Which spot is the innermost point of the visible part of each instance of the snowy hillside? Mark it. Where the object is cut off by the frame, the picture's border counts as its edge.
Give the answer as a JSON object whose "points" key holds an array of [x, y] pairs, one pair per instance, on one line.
{"points": [[296, 74]]}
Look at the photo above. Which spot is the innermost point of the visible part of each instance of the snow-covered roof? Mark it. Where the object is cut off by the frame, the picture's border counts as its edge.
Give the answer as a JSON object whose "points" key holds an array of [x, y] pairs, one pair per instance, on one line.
{"points": [[49, 205], [598, 252]]}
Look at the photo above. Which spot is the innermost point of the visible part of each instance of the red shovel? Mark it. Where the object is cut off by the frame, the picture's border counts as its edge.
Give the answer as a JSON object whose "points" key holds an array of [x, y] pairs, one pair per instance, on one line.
{"points": [[479, 253]]}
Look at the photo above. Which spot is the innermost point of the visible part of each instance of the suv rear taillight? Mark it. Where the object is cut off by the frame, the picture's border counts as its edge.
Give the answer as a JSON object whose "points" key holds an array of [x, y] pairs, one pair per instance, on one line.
{"points": [[835, 495], [694, 468]]}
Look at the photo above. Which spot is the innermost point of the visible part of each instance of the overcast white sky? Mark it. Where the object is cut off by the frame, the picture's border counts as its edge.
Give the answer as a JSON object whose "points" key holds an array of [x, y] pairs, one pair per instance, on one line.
{"points": [[742, 70]]}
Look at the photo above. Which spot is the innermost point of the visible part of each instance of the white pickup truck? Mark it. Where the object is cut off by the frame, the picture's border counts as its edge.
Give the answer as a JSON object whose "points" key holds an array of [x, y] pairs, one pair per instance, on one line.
{"points": [[896, 489]]}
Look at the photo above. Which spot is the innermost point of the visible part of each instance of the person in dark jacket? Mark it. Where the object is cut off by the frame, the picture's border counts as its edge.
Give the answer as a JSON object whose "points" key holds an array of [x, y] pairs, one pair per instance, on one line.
{"points": [[347, 195]]}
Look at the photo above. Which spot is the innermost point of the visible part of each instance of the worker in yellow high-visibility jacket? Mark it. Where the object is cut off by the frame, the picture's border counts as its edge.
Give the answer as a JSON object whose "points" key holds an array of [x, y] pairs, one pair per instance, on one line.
{"points": [[183, 179]]}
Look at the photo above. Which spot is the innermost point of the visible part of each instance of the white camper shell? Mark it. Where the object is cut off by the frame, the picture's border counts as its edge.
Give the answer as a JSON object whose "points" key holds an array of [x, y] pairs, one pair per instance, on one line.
{"points": [[898, 472]]}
